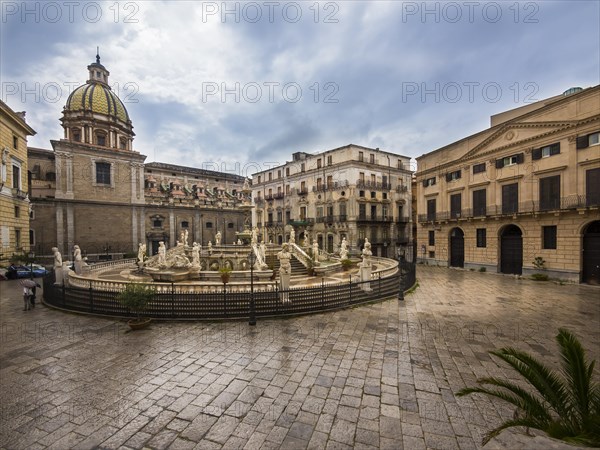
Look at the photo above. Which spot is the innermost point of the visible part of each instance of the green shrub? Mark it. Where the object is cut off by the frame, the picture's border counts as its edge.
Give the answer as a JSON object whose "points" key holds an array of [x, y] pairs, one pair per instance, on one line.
{"points": [[564, 405], [539, 277], [136, 297]]}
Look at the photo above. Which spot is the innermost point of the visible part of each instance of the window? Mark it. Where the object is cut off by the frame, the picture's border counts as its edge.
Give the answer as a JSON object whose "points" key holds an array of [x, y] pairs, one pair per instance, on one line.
{"points": [[209, 225], [76, 135], [431, 237], [102, 173], [384, 195], [481, 235], [361, 193], [550, 193], [157, 223], [361, 156], [123, 144], [455, 205], [101, 139], [329, 160], [373, 179], [342, 211], [302, 167], [31, 238], [287, 189], [279, 216], [15, 142], [588, 140], [479, 203], [372, 158], [361, 177], [329, 181], [17, 238], [549, 237], [400, 165], [452, 176], [510, 160], [478, 168], [270, 219], [592, 187], [330, 211], [16, 176], [303, 213], [303, 186], [510, 198], [270, 196], [288, 216], [431, 209], [185, 224], [17, 211], [373, 211], [259, 179], [384, 212], [319, 163], [287, 171], [362, 211], [279, 174], [373, 194], [432, 254], [319, 184], [270, 176], [429, 182], [544, 152]]}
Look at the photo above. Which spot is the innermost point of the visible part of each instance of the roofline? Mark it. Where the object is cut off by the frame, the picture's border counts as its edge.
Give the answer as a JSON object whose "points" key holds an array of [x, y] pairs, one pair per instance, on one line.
{"points": [[514, 119], [20, 122], [167, 166], [332, 150]]}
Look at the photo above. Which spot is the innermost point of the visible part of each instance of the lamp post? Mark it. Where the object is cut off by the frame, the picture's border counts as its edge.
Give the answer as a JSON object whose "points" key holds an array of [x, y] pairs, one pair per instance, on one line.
{"points": [[252, 260], [31, 256], [401, 287]]}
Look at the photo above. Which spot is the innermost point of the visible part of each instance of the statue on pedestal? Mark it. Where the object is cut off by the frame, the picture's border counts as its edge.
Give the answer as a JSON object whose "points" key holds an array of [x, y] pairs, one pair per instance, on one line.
{"points": [[78, 260], [58, 266], [196, 255], [162, 253], [218, 238], [285, 271], [344, 249], [210, 250], [292, 236], [315, 249]]}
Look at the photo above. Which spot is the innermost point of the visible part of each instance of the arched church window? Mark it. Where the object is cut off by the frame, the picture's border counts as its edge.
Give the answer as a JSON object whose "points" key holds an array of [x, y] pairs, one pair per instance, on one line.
{"points": [[101, 139], [123, 144], [76, 134]]}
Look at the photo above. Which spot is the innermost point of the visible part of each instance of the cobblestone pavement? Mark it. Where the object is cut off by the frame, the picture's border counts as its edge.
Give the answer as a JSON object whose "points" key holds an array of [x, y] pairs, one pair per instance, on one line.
{"points": [[374, 376]]}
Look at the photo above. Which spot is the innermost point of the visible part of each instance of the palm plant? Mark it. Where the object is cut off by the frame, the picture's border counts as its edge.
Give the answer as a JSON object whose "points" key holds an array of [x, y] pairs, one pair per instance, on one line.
{"points": [[566, 407]]}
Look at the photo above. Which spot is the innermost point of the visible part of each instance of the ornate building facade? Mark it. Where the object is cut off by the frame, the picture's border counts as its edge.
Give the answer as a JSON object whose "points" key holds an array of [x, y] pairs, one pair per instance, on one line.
{"points": [[521, 197], [94, 190], [14, 201], [352, 191]]}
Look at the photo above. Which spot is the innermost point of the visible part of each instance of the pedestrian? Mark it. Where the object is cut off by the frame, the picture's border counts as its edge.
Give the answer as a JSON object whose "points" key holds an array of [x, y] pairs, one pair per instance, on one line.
{"points": [[27, 298], [33, 292]]}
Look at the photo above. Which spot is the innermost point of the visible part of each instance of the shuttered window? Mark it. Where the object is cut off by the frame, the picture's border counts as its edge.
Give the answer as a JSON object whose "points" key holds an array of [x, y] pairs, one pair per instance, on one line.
{"points": [[431, 209], [550, 193], [455, 205], [510, 198], [479, 203], [544, 152]]}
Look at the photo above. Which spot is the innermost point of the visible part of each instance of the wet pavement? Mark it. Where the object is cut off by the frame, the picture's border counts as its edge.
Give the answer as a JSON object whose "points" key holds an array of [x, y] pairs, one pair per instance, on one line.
{"points": [[377, 376]]}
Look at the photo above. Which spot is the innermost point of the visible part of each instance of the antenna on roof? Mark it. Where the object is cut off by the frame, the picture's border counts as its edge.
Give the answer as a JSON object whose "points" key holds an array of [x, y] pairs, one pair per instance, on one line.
{"points": [[97, 55]]}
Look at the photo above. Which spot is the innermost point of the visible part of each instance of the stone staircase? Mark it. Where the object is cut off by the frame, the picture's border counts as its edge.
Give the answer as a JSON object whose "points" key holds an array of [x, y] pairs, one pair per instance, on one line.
{"points": [[297, 266]]}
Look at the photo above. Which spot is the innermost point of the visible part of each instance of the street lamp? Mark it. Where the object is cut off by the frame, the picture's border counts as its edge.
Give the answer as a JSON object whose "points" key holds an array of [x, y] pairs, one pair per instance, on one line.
{"points": [[252, 260], [399, 254], [31, 256]]}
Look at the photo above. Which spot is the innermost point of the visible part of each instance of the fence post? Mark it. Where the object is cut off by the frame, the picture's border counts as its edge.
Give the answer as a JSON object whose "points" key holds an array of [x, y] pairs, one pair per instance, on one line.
{"points": [[401, 287], [224, 299], [91, 298], [323, 292], [379, 285], [350, 297], [172, 299], [63, 293]]}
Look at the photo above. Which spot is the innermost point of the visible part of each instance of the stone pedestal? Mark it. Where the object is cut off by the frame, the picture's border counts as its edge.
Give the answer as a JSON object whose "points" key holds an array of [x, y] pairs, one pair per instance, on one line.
{"points": [[195, 272], [58, 274], [365, 276], [78, 267], [284, 285]]}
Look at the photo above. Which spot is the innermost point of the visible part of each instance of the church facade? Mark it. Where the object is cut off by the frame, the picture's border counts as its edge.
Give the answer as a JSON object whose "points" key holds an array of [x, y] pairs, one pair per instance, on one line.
{"points": [[92, 189]]}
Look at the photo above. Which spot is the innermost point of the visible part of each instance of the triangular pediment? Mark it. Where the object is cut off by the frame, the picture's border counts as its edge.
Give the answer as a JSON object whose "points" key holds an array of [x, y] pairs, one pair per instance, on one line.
{"points": [[518, 133]]}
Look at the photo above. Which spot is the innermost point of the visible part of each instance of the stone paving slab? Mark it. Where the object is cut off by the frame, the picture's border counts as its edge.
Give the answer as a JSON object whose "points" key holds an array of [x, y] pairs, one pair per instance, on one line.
{"points": [[377, 376]]}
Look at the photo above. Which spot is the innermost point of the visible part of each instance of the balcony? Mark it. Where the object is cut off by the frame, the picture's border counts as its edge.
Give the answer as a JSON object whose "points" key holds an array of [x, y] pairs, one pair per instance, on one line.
{"points": [[364, 218], [363, 184], [338, 185], [302, 222], [19, 193], [403, 219], [300, 191], [401, 189], [570, 202]]}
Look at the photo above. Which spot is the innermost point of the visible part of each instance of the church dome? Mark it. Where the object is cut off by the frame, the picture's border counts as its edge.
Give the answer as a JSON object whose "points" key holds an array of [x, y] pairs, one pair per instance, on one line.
{"points": [[95, 115], [98, 98]]}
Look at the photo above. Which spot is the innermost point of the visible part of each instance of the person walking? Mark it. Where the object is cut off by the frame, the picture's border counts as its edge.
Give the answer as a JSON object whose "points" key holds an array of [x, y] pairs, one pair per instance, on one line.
{"points": [[27, 298]]}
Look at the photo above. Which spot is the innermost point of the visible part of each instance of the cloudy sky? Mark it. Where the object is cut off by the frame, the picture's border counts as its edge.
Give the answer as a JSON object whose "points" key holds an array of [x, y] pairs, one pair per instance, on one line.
{"points": [[232, 85]]}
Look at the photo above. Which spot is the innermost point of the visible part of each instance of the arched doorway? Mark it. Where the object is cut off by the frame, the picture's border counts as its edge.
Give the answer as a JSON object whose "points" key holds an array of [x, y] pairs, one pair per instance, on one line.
{"points": [[511, 250], [457, 248], [591, 253]]}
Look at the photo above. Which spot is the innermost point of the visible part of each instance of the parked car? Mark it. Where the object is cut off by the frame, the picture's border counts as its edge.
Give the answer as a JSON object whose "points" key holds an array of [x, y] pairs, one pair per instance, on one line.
{"points": [[14, 272]]}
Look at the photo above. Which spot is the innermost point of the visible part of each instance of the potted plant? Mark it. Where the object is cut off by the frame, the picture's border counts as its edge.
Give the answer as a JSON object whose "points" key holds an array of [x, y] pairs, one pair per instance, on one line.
{"points": [[346, 264], [225, 274], [136, 297]]}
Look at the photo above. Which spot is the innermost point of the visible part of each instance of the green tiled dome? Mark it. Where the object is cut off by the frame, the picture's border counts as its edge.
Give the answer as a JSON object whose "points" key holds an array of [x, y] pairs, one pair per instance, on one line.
{"points": [[99, 98]]}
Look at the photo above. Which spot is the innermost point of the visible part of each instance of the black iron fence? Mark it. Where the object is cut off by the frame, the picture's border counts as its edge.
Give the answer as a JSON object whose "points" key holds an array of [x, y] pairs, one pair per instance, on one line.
{"points": [[224, 303]]}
